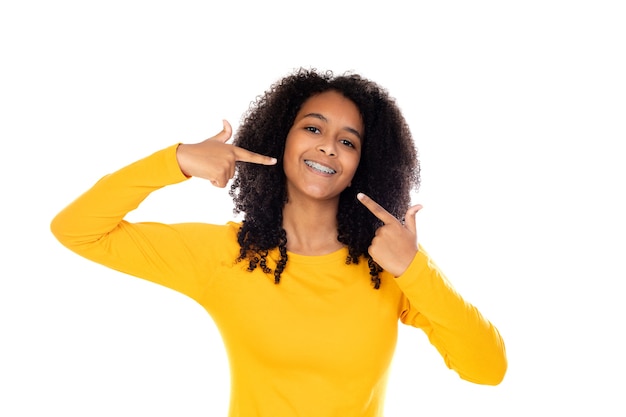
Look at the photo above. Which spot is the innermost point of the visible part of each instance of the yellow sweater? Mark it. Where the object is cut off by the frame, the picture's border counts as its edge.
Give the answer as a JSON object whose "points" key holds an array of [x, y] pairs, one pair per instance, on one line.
{"points": [[319, 343]]}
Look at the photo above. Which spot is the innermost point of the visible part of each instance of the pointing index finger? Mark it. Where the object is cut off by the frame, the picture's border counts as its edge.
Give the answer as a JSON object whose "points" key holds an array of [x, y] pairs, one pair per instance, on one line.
{"points": [[244, 155], [376, 209]]}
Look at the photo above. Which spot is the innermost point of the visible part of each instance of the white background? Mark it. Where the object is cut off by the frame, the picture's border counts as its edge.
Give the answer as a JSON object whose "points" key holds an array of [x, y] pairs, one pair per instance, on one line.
{"points": [[519, 113]]}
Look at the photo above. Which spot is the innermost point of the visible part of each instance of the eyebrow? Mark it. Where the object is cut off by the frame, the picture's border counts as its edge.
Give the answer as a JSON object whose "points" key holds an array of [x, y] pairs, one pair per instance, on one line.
{"points": [[324, 119]]}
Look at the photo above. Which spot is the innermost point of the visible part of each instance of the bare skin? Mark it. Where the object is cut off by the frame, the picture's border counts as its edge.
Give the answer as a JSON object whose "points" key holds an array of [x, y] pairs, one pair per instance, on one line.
{"points": [[214, 160], [395, 244], [311, 230], [322, 153]]}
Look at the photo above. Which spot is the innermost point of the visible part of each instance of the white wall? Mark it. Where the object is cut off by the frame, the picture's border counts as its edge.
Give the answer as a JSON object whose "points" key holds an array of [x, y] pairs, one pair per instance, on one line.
{"points": [[517, 108]]}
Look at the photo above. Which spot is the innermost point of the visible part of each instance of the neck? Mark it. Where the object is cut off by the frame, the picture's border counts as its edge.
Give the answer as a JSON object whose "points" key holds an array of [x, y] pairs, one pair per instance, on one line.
{"points": [[311, 227]]}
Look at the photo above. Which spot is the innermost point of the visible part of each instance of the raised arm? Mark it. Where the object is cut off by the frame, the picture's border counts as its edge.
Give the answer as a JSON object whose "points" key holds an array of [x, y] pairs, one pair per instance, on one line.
{"points": [[468, 342], [93, 225]]}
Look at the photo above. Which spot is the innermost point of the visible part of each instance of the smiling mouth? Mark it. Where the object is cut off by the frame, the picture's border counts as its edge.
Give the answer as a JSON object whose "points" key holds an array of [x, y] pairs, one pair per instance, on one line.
{"points": [[319, 167]]}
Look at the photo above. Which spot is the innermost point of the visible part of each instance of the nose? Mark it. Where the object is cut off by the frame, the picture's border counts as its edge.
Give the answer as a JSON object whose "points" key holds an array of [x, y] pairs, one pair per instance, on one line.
{"points": [[327, 146]]}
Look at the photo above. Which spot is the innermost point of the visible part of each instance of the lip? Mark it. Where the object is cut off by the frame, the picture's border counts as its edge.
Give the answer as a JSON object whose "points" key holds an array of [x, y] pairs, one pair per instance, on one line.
{"points": [[319, 167]]}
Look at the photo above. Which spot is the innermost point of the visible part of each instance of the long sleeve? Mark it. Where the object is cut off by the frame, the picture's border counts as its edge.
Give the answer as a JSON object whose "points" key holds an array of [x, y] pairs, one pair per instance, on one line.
{"points": [[93, 226], [468, 343]]}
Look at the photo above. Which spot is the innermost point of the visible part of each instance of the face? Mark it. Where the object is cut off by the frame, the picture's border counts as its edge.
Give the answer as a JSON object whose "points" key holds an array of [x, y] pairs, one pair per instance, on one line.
{"points": [[323, 147]]}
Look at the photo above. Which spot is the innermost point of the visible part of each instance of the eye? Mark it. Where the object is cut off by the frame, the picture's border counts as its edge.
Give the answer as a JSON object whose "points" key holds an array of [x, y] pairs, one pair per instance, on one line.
{"points": [[346, 142], [312, 129]]}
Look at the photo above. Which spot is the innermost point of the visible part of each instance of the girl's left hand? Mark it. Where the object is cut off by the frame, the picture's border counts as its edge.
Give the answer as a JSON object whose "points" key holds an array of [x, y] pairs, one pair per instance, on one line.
{"points": [[395, 244]]}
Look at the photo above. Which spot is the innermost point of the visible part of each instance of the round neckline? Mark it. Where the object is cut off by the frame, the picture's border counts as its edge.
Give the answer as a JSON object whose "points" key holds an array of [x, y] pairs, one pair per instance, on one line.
{"points": [[339, 254]]}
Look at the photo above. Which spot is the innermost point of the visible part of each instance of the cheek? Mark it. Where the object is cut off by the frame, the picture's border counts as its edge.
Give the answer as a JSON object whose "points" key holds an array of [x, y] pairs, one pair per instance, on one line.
{"points": [[286, 150], [288, 154], [355, 163]]}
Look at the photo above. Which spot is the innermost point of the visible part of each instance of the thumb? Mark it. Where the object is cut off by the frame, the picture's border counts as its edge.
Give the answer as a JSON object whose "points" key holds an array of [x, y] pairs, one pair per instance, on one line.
{"points": [[409, 218], [225, 133]]}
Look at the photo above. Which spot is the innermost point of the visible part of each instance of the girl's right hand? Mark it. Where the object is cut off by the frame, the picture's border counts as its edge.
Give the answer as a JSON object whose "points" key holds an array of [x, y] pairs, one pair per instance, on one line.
{"points": [[213, 159]]}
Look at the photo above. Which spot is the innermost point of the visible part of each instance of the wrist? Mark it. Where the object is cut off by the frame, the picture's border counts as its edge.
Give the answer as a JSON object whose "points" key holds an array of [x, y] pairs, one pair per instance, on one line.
{"points": [[181, 156]]}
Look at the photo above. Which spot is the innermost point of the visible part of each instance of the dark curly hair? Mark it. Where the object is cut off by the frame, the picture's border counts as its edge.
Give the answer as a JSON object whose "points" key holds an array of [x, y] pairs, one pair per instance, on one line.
{"points": [[388, 169]]}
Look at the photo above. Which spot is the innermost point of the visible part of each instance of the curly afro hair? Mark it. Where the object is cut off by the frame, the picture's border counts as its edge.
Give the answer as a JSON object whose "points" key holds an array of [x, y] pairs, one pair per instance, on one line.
{"points": [[388, 169]]}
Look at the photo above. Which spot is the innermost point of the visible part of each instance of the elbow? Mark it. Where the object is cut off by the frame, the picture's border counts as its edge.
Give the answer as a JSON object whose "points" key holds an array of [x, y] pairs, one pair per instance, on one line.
{"points": [[492, 359], [56, 227], [490, 369], [485, 363], [488, 374], [499, 362], [496, 372], [62, 229]]}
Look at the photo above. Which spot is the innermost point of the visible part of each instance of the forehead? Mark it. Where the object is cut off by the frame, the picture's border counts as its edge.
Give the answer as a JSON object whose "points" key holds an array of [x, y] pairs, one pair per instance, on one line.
{"points": [[334, 106]]}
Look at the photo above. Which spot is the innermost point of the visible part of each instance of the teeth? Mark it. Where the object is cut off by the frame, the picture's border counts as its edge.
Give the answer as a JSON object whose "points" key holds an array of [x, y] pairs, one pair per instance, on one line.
{"points": [[320, 167]]}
